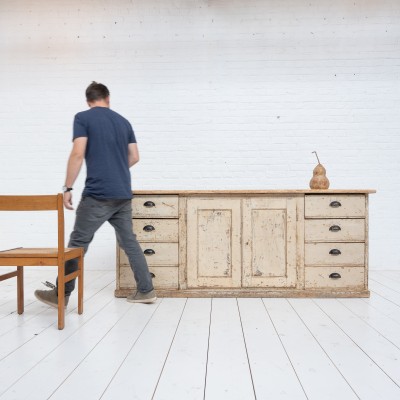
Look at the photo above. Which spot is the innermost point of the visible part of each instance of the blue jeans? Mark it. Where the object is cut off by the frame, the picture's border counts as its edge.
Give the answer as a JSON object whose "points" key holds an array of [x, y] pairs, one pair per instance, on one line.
{"points": [[90, 215]]}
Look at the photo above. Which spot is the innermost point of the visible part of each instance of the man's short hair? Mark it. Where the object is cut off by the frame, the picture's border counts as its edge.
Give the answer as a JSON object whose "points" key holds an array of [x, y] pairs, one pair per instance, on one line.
{"points": [[96, 91]]}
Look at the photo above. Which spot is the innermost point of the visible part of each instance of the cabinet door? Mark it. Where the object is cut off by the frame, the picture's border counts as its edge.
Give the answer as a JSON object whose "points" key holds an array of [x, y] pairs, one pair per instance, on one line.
{"points": [[213, 242], [269, 242]]}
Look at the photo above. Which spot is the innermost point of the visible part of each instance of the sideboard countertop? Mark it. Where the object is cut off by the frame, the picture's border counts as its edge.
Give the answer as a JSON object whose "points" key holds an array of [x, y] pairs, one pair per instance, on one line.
{"points": [[253, 191]]}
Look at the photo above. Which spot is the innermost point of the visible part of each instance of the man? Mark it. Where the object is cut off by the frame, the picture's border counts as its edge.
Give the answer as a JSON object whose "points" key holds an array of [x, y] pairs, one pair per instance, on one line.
{"points": [[107, 142]]}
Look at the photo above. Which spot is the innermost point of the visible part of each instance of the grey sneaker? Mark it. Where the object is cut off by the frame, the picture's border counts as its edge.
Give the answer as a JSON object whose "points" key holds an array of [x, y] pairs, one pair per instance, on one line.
{"points": [[50, 297], [138, 297]]}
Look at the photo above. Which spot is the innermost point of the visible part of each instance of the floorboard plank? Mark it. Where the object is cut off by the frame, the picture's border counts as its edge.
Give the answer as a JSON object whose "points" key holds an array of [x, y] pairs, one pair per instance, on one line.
{"points": [[386, 292], [386, 326], [9, 286], [183, 376], [33, 278], [50, 372], [392, 274], [9, 305], [365, 377], [318, 375], [385, 281], [376, 346], [40, 345], [272, 371], [100, 365], [13, 320], [385, 306], [139, 373], [33, 327], [228, 371]]}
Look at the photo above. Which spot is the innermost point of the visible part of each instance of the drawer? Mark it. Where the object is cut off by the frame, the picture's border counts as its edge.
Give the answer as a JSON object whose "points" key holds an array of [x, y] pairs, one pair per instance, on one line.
{"points": [[322, 230], [165, 277], [324, 253], [156, 230], [334, 206], [319, 277], [164, 254], [155, 206]]}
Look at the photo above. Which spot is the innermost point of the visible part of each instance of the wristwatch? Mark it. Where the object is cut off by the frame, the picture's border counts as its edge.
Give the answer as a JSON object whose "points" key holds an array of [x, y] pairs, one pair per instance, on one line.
{"points": [[66, 189]]}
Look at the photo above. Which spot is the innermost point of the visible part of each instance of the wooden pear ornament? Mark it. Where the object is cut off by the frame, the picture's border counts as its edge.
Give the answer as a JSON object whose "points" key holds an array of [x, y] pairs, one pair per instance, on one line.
{"points": [[319, 179]]}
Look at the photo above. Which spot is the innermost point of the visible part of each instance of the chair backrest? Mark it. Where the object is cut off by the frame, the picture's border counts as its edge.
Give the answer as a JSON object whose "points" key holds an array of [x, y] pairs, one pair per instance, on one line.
{"points": [[38, 203], [28, 203]]}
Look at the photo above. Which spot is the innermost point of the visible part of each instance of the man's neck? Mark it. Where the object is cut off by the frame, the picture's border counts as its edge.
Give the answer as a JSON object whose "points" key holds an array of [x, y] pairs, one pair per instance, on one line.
{"points": [[100, 103]]}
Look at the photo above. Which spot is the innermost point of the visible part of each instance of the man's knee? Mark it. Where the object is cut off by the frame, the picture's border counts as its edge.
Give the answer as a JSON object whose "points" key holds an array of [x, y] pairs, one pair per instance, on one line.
{"points": [[78, 239]]}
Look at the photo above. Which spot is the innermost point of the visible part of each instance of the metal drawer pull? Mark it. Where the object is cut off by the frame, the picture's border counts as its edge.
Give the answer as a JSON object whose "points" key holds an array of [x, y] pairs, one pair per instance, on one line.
{"points": [[149, 204], [149, 252], [149, 228], [335, 228], [335, 204], [334, 275], [335, 252]]}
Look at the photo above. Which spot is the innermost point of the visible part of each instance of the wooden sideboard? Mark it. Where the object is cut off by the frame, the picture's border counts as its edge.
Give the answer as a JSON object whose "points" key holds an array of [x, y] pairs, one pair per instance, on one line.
{"points": [[251, 243]]}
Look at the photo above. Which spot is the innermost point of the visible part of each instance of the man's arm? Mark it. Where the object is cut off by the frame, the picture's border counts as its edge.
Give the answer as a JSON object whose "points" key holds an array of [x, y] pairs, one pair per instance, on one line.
{"points": [[133, 154], [74, 166]]}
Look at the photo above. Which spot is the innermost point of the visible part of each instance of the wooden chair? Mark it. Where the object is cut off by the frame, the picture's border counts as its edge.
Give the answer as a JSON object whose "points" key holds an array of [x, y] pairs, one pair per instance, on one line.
{"points": [[21, 257]]}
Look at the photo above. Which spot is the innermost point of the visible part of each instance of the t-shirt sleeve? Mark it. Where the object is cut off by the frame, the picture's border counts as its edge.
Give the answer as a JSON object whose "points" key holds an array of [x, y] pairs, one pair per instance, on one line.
{"points": [[79, 128], [131, 138]]}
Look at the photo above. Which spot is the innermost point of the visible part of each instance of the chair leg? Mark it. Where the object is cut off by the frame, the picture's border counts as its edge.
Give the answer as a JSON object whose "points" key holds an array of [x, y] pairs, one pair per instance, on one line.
{"points": [[20, 289], [61, 297], [80, 285]]}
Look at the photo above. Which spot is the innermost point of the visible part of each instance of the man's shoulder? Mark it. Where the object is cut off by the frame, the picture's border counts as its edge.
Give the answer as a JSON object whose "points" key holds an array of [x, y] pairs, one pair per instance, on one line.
{"points": [[82, 114], [119, 116]]}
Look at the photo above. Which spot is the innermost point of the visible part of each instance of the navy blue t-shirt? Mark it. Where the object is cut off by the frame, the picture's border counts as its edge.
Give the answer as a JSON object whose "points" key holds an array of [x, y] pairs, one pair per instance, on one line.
{"points": [[108, 134]]}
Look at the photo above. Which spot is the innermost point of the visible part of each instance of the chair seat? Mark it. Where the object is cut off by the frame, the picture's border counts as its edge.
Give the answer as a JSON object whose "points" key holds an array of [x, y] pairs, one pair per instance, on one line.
{"points": [[36, 256], [38, 252]]}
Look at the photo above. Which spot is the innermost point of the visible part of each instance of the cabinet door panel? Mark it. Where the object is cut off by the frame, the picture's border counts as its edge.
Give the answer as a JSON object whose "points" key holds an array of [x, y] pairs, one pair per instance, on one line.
{"points": [[213, 243], [269, 242]]}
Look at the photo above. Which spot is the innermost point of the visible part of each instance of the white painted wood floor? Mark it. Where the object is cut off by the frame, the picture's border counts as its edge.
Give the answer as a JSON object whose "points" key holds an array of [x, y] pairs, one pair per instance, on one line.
{"points": [[212, 349]]}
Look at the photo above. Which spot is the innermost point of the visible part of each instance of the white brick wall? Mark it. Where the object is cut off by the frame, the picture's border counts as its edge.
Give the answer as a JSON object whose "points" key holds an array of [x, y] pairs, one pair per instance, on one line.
{"points": [[222, 94]]}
